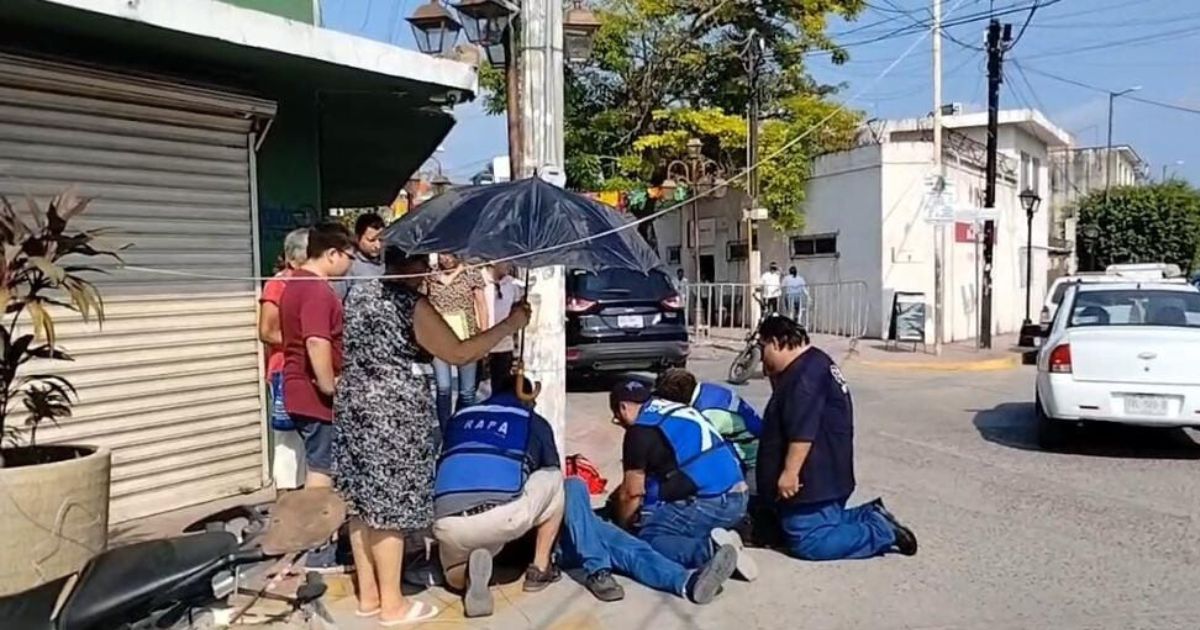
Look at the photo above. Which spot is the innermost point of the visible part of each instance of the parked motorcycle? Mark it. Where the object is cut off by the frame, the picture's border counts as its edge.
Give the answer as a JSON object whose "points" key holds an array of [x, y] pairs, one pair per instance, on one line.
{"points": [[203, 580], [743, 366]]}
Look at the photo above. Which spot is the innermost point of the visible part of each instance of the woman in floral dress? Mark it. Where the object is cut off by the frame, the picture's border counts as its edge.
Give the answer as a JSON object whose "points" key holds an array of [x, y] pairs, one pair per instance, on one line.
{"points": [[386, 430]]}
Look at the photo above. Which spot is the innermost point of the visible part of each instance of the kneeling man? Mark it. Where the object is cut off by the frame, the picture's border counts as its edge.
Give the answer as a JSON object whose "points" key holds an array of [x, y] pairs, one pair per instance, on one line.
{"points": [[498, 478]]}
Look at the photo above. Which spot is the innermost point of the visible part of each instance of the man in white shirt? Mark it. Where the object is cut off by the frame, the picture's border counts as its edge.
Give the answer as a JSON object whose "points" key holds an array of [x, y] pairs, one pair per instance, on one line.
{"points": [[795, 295], [507, 291], [769, 287]]}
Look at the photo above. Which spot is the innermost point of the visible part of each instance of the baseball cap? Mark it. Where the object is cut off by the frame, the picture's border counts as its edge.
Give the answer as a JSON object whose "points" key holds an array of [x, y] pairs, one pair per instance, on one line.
{"points": [[628, 390]]}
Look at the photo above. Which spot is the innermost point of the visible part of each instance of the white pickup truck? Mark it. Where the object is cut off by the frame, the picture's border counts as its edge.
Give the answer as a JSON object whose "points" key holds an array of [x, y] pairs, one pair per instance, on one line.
{"points": [[1120, 352]]}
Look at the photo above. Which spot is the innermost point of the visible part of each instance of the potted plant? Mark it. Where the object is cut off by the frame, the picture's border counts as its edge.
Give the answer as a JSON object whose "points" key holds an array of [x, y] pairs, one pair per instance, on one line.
{"points": [[53, 498]]}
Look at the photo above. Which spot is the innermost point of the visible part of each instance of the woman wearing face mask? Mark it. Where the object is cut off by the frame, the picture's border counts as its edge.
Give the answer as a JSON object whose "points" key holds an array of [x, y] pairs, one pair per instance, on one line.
{"points": [[459, 298], [386, 441]]}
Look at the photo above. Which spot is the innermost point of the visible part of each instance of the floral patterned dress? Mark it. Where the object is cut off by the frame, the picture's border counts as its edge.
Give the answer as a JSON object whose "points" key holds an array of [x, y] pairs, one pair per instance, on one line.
{"points": [[386, 431]]}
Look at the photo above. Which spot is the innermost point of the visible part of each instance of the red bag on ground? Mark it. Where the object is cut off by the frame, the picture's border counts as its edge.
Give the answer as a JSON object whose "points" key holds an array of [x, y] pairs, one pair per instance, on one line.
{"points": [[580, 466]]}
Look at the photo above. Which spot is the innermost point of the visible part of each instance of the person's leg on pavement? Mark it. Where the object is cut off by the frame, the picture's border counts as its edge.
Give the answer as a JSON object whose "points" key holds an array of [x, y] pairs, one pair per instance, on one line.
{"points": [[318, 451], [543, 504], [468, 385], [364, 569], [387, 552], [826, 531], [443, 377], [582, 545], [678, 531]]}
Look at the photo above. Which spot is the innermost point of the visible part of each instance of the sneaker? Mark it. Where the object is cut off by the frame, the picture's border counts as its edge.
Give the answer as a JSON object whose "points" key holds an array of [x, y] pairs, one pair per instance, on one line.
{"points": [[705, 582], [604, 586], [537, 579], [477, 601], [747, 569], [906, 540]]}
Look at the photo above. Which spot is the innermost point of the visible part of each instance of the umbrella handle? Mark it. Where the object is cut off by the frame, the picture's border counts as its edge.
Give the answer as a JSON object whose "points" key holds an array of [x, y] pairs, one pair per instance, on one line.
{"points": [[527, 391]]}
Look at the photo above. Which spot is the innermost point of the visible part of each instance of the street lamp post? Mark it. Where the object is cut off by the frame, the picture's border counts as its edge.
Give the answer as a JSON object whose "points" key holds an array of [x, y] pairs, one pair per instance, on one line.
{"points": [[701, 175], [1108, 161], [1030, 201]]}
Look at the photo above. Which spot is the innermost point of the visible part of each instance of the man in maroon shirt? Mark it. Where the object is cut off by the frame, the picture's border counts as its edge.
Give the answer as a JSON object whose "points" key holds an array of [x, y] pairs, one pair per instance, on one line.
{"points": [[310, 316]]}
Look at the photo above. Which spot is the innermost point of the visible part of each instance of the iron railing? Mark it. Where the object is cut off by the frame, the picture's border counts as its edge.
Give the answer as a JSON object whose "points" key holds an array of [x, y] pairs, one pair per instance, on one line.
{"points": [[730, 309]]}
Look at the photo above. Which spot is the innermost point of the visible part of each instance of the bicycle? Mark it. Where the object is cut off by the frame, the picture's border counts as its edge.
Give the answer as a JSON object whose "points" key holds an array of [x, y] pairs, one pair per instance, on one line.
{"points": [[742, 368]]}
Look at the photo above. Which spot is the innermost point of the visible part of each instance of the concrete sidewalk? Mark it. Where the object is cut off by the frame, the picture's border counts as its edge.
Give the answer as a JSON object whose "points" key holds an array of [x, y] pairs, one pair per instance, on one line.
{"points": [[961, 356]]}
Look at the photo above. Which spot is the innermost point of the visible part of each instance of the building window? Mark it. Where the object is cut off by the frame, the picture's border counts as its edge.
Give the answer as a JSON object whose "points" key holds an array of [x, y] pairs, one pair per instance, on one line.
{"points": [[735, 251], [814, 246], [673, 257]]}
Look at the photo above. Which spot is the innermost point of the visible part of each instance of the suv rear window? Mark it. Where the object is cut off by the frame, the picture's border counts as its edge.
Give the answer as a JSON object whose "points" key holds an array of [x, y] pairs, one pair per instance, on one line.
{"points": [[619, 284]]}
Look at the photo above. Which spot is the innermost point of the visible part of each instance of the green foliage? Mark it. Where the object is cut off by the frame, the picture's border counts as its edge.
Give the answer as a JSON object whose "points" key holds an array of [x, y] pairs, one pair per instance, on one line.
{"points": [[1155, 223], [663, 70], [41, 270]]}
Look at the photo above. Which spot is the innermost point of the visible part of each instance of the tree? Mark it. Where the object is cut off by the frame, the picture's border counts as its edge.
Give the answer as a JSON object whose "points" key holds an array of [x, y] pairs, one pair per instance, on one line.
{"points": [[663, 70], [1154, 223]]}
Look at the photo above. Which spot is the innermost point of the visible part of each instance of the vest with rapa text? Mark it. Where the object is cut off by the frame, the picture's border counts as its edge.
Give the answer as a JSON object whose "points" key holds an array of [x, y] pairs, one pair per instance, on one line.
{"points": [[483, 458]]}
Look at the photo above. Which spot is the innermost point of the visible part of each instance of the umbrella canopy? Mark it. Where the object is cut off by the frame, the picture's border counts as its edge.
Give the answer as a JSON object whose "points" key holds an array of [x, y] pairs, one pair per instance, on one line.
{"points": [[513, 218]]}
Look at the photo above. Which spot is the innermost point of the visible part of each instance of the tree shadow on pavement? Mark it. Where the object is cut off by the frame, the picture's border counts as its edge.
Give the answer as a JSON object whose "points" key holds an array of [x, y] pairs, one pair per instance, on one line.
{"points": [[1015, 425]]}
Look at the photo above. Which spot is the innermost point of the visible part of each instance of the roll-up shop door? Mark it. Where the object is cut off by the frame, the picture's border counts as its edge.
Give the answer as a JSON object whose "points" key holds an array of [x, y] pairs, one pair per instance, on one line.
{"points": [[171, 382]]}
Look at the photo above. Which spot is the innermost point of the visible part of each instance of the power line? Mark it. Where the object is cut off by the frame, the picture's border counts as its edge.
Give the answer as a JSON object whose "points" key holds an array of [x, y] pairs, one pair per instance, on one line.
{"points": [[1104, 90], [1132, 41], [923, 25]]}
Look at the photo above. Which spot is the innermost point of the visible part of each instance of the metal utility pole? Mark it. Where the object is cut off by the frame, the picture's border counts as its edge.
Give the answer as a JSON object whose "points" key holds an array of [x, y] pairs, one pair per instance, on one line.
{"points": [[997, 38], [1108, 146], [512, 95], [939, 229]]}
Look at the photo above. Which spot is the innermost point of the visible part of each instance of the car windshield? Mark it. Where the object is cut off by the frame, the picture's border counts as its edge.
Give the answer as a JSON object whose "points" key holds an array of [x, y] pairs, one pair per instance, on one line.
{"points": [[1135, 307], [619, 284]]}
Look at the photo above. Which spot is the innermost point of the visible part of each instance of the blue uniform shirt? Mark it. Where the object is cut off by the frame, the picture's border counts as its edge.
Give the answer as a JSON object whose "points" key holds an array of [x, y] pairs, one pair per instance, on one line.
{"points": [[810, 403]]}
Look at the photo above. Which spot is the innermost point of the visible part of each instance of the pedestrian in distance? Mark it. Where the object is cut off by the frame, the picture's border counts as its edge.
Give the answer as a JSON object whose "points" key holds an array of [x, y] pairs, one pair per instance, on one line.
{"points": [[367, 261], [795, 295], [683, 489], [769, 287], [387, 433], [806, 455]]}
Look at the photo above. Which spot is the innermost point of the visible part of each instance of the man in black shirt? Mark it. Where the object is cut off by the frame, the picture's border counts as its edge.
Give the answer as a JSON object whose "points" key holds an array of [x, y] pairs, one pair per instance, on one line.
{"points": [[683, 484], [806, 456]]}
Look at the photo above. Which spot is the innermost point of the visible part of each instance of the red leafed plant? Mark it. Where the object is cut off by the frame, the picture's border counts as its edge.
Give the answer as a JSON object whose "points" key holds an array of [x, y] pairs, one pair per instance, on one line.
{"points": [[40, 270]]}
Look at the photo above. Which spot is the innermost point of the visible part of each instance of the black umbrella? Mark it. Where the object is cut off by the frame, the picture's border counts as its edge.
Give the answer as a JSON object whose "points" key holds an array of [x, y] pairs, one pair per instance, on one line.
{"points": [[530, 218], [500, 221]]}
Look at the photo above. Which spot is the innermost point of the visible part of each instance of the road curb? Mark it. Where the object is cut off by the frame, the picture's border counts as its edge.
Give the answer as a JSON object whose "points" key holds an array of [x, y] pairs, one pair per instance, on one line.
{"points": [[985, 365]]}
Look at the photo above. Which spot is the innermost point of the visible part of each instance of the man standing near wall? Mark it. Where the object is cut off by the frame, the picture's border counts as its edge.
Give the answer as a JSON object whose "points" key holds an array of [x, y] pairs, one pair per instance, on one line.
{"points": [[367, 261], [768, 287]]}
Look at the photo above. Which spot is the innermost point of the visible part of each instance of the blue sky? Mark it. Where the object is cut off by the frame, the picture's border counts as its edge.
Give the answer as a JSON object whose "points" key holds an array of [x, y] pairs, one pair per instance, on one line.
{"points": [[1109, 44]]}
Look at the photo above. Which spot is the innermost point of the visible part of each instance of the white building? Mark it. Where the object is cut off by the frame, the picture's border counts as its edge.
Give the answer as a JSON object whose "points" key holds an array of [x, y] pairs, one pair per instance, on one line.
{"points": [[864, 221]]}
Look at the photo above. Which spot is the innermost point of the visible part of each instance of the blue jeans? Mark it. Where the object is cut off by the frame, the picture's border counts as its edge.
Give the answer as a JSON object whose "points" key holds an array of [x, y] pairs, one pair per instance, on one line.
{"points": [[593, 544], [829, 531], [467, 385], [680, 530]]}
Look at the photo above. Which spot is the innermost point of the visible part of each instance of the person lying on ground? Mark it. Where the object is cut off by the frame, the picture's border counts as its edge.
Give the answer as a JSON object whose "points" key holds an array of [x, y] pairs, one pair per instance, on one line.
{"points": [[498, 479], [601, 548], [683, 489], [806, 455]]}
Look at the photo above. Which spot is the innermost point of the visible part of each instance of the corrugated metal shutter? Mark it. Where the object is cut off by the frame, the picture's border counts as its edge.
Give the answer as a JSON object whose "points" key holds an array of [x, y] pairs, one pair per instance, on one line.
{"points": [[171, 382]]}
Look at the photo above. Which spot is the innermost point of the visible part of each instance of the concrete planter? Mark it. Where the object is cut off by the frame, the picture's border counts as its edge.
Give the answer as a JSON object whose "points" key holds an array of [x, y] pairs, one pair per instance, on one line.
{"points": [[53, 515]]}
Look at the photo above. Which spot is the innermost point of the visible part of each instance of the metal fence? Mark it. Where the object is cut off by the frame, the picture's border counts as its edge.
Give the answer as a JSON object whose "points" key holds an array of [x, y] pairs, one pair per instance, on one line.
{"points": [[730, 309]]}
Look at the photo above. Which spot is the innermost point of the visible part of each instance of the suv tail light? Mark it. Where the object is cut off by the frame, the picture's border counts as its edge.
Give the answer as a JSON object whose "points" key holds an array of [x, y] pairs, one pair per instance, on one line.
{"points": [[673, 303], [579, 305], [1060, 359]]}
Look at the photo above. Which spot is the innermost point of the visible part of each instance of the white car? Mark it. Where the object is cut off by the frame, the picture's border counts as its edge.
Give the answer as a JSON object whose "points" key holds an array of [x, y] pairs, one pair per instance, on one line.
{"points": [[1120, 352], [1114, 273]]}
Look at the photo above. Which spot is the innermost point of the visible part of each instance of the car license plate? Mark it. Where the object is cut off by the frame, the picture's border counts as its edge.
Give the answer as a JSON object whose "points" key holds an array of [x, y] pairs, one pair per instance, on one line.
{"points": [[630, 321], [1145, 405]]}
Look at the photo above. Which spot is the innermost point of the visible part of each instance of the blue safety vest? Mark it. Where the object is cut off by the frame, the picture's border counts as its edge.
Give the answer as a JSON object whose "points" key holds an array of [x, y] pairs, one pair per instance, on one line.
{"points": [[733, 418], [483, 458], [700, 451]]}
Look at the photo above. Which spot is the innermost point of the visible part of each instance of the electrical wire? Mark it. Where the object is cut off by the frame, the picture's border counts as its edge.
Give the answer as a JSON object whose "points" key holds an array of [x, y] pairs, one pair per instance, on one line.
{"points": [[744, 173], [1132, 41], [1102, 90]]}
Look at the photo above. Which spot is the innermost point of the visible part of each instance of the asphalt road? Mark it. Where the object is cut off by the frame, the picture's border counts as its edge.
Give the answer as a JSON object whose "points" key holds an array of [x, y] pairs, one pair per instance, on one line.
{"points": [[1107, 536]]}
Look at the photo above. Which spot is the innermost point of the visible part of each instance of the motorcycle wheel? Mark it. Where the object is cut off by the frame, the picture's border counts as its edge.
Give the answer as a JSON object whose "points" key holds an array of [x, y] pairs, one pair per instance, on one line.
{"points": [[742, 367]]}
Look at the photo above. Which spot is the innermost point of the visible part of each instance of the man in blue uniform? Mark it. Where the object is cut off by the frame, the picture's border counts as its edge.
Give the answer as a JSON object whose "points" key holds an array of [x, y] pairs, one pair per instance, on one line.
{"points": [[806, 455], [731, 416], [683, 487], [497, 479]]}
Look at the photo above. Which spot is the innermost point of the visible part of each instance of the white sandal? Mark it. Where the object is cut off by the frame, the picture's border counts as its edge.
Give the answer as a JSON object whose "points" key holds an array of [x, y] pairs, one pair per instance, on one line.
{"points": [[418, 612]]}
